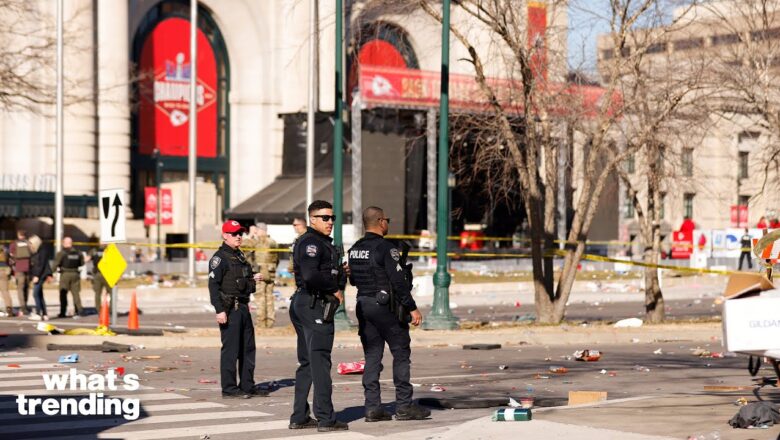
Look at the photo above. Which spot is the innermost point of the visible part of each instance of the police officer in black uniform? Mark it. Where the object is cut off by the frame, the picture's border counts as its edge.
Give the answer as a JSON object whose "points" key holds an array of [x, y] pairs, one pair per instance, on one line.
{"points": [[320, 284], [230, 283], [746, 243], [385, 308]]}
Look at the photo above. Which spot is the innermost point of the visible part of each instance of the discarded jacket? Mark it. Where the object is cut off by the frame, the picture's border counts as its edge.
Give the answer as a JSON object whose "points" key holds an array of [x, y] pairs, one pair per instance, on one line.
{"points": [[756, 414]]}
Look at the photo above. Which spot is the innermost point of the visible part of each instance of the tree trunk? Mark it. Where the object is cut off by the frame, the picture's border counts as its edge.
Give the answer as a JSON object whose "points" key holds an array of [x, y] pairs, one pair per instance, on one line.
{"points": [[654, 300]]}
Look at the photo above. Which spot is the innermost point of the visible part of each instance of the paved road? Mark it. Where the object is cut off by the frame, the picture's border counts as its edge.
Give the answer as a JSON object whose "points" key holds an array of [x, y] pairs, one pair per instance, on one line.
{"points": [[180, 400]]}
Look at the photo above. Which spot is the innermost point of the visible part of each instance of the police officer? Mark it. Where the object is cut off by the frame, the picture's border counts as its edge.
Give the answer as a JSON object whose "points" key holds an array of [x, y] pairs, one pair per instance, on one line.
{"points": [[68, 261], [20, 256], [230, 283], [99, 284], [5, 274], [266, 262], [383, 281], [319, 290], [746, 243]]}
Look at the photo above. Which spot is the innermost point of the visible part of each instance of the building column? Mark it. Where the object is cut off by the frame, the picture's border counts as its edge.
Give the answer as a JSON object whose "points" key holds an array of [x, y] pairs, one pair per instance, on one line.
{"points": [[113, 109], [80, 127]]}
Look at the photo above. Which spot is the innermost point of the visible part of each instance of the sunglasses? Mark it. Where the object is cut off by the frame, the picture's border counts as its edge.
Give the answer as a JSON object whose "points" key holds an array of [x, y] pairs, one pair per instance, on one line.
{"points": [[326, 218], [385, 219], [235, 234]]}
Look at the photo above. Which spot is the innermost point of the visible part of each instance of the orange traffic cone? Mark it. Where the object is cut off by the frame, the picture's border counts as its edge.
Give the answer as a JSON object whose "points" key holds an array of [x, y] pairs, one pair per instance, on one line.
{"points": [[132, 318], [105, 316]]}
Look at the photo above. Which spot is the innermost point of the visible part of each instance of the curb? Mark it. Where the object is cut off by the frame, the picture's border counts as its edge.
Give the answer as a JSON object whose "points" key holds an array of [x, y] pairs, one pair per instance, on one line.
{"points": [[515, 336]]}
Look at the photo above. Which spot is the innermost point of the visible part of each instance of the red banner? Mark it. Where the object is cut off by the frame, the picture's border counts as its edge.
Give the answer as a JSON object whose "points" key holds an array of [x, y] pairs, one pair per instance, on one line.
{"points": [[165, 91], [537, 27], [682, 244], [150, 206], [382, 86], [739, 216]]}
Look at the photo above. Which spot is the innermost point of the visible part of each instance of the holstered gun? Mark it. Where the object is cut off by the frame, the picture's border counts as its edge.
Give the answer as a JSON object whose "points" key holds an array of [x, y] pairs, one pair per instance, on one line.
{"points": [[329, 306], [229, 302]]}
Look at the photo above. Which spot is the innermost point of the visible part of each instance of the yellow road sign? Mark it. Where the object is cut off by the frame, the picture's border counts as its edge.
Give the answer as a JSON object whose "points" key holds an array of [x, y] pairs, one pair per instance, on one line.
{"points": [[112, 265]]}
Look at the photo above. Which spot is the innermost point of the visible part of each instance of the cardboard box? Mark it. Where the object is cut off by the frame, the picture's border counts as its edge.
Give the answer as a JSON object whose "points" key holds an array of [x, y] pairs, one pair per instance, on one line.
{"points": [[751, 314]]}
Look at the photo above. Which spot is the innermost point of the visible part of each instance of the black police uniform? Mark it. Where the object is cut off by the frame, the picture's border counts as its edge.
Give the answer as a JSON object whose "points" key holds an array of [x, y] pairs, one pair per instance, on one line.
{"points": [[230, 284], [376, 267], [746, 243], [316, 267]]}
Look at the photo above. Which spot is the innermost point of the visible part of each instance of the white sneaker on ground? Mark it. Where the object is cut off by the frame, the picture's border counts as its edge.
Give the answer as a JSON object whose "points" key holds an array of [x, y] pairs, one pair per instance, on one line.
{"points": [[34, 317]]}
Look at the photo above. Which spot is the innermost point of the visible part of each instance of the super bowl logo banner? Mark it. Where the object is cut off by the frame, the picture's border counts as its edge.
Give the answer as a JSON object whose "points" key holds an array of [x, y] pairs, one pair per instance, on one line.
{"points": [[163, 113]]}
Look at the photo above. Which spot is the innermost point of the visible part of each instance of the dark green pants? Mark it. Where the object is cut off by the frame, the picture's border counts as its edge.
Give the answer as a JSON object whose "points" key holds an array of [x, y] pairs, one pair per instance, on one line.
{"points": [[99, 285], [70, 281]]}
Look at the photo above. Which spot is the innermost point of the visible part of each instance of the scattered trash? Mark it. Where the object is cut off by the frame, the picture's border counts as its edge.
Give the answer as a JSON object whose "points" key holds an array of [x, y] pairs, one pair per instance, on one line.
{"points": [[106, 347], [120, 371], [587, 355], [482, 346], [580, 397], [728, 388], [438, 389], [204, 437], [557, 369], [641, 368], [541, 376], [69, 358], [351, 367], [14, 366], [156, 369], [756, 414], [634, 340], [741, 401], [203, 380], [150, 357], [659, 351], [714, 435], [502, 367], [603, 371], [511, 415], [628, 323], [526, 402]]}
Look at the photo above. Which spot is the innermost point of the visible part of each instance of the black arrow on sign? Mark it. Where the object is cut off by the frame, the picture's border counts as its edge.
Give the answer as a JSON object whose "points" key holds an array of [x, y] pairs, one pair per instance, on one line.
{"points": [[106, 202], [117, 203]]}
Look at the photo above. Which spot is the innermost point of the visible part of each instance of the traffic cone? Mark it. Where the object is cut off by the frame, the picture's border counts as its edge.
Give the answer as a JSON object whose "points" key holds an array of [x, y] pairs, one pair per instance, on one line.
{"points": [[132, 318], [105, 316]]}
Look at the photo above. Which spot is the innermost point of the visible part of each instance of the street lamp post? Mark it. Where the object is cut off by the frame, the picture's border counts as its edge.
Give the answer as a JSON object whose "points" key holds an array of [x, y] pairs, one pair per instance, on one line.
{"points": [[441, 316], [158, 182]]}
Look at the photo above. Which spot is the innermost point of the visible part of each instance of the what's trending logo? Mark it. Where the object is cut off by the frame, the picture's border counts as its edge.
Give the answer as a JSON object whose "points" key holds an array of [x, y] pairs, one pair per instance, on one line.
{"points": [[95, 404]]}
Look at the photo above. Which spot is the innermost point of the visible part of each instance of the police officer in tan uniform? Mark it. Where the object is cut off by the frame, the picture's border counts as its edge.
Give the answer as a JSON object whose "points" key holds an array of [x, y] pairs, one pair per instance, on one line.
{"points": [[265, 262]]}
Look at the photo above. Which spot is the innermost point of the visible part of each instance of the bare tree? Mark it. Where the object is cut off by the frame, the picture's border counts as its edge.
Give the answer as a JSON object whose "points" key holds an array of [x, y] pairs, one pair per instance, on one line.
{"points": [[745, 73], [666, 120], [534, 122], [28, 57]]}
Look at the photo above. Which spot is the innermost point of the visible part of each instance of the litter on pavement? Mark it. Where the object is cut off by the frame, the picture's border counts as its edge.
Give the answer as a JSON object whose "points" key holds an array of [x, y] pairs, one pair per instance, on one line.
{"points": [[756, 415], [628, 323], [69, 358], [587, 355], [580, 397], [351, 367], [511, 415]]}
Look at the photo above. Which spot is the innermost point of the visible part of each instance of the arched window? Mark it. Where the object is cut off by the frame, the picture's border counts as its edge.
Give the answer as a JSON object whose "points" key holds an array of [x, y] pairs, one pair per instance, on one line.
{"points": [[160, 116]]}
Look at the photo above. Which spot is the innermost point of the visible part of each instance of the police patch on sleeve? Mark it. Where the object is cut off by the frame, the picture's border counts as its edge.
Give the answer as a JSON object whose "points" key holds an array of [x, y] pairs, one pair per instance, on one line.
{"points": [[311, 250], [394, 253], [215, 260]]}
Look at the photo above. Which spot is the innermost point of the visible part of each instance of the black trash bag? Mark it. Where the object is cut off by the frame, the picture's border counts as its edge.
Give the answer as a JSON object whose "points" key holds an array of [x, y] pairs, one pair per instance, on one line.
{"points": [[756, 414]]}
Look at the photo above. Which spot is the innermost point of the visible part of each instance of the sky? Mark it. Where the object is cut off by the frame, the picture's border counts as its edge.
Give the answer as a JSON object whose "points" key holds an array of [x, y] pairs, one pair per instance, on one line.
{"points": [[587, 19]]}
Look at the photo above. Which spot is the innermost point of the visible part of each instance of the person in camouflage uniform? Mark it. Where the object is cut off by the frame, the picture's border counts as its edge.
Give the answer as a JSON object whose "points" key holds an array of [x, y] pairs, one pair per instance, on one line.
{"points": [[263, 262], [99, 284], [5, 274]]}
